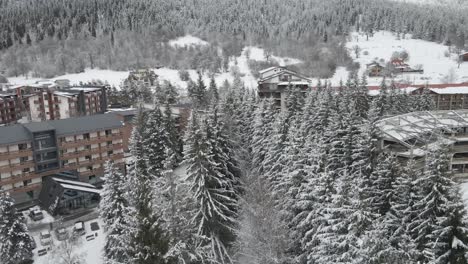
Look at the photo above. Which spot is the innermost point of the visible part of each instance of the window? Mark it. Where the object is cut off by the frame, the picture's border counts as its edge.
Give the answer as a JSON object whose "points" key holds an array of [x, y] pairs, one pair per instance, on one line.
{"points": [[64, 163], [26, 170], [109, 143], [110, 152], [86, 136], [23, 159], [108, 132], [88, 147], [25, 183], [22, 146], [90, 168], [88, 157]]}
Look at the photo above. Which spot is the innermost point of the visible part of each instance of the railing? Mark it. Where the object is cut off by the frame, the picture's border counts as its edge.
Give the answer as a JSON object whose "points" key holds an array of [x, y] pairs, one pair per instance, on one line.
{"points": [[90, 141], [15, 154], [17, 166], [33, 175]]}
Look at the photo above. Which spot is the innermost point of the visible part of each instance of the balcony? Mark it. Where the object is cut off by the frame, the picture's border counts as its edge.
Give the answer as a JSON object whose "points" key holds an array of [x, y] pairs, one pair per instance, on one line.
{"points": [[18, 178], [17, 166], [95, 140], [15, 154]]}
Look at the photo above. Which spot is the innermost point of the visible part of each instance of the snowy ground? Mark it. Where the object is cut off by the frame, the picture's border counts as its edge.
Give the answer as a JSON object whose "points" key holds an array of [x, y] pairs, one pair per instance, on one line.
{"points": [[187, 41], [430, 55], [89, 251], [115, 78]]}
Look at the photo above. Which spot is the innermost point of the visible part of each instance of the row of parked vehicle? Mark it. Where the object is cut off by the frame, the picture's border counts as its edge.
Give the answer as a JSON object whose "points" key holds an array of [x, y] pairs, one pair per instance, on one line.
{"points": [[61, 234]]}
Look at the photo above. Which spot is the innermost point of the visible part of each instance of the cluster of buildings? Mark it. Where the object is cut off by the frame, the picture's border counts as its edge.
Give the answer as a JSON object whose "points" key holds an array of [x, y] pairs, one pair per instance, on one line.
{"points": [[274, 82], [395, 66], [408, 136], [37, 103]]}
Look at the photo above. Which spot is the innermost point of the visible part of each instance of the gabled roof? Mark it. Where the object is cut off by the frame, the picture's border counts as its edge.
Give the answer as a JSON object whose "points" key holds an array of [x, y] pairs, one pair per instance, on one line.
{"points": [[283, 71], [70, 126], [269, 69]]}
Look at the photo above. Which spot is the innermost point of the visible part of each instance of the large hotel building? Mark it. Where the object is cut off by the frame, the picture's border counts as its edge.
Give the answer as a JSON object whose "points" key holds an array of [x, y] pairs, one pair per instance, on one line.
{"points": [[77, 147]]}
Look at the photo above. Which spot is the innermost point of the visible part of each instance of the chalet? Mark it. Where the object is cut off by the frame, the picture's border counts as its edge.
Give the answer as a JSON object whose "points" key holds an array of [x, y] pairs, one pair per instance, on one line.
{"points": [[375, 69], [464, 56], [274, 82], [400, 66]]}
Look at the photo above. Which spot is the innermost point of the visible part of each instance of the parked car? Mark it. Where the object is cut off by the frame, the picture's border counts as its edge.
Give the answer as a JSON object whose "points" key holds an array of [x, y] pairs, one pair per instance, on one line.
{"points": [[33, 243], [79, 228], [90, 237], [46, 238], [42, 252], [94, 226], [61, 233], [36, 214]]}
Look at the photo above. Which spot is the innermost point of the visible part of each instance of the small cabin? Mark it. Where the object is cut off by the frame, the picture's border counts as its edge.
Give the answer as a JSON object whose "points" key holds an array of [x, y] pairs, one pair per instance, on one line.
{"points": [[464, 56], [374, 69]]}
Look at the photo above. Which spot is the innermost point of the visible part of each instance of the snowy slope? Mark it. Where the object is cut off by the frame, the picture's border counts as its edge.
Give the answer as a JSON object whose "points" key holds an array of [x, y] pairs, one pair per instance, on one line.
{"points": [[454, 3], [430, 55], [115, 78], [187, 41]]}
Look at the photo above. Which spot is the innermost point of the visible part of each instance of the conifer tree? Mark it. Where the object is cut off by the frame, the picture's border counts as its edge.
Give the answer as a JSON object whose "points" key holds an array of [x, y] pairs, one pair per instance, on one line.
{"points": [[116, 214], [149, 242], [212, 192], [439, 228], [155, 138], [16, 244], [213, 95]]}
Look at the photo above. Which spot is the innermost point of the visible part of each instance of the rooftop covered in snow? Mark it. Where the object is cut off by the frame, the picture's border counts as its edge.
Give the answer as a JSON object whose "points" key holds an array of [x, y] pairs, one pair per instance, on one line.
{"points": [[419, 125]]}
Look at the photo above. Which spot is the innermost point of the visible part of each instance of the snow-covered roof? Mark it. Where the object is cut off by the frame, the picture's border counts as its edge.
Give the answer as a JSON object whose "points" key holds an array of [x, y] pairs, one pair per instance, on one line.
{"points": [[84, 184], [268, 69], [80, 188], [420, 124], [85, 89], [450, 90], [294, 83]]}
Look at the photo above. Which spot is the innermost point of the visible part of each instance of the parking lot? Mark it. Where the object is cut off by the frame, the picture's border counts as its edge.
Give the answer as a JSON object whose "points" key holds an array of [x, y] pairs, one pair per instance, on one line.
{"points": [[60, 239]]}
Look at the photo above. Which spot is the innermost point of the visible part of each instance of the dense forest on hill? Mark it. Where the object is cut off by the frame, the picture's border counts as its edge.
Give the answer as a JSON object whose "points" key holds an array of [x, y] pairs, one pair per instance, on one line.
{"points": [[49, 37]]}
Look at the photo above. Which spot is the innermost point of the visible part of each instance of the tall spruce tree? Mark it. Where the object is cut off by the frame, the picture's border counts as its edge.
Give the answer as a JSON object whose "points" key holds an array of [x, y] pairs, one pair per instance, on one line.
{"points": [[149, 242], [439, 228], [16, 244], [116, 213], [212, 192]]}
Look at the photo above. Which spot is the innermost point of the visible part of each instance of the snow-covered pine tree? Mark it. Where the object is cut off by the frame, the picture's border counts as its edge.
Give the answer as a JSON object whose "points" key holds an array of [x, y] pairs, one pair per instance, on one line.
{"points": [[264, 119], [149, 243], [200, 94], [154, 139], [440, 229], [223, 152], [116, 214], [212, 192], [173, 134], [16, 245], [213, 95], [379, 192]]}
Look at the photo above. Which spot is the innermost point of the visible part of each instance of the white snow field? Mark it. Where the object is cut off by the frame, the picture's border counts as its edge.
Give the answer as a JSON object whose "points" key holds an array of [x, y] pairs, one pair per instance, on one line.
{"points": [[430, 55], [114, 78], [454, 3], [89, 251], [187, 41]]}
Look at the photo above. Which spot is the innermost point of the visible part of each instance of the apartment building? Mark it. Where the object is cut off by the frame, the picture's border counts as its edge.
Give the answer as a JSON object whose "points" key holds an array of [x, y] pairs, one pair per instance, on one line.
{"points": [[413, 135], [75, 101], [274, 81], [77, 146], [10, 110]]}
